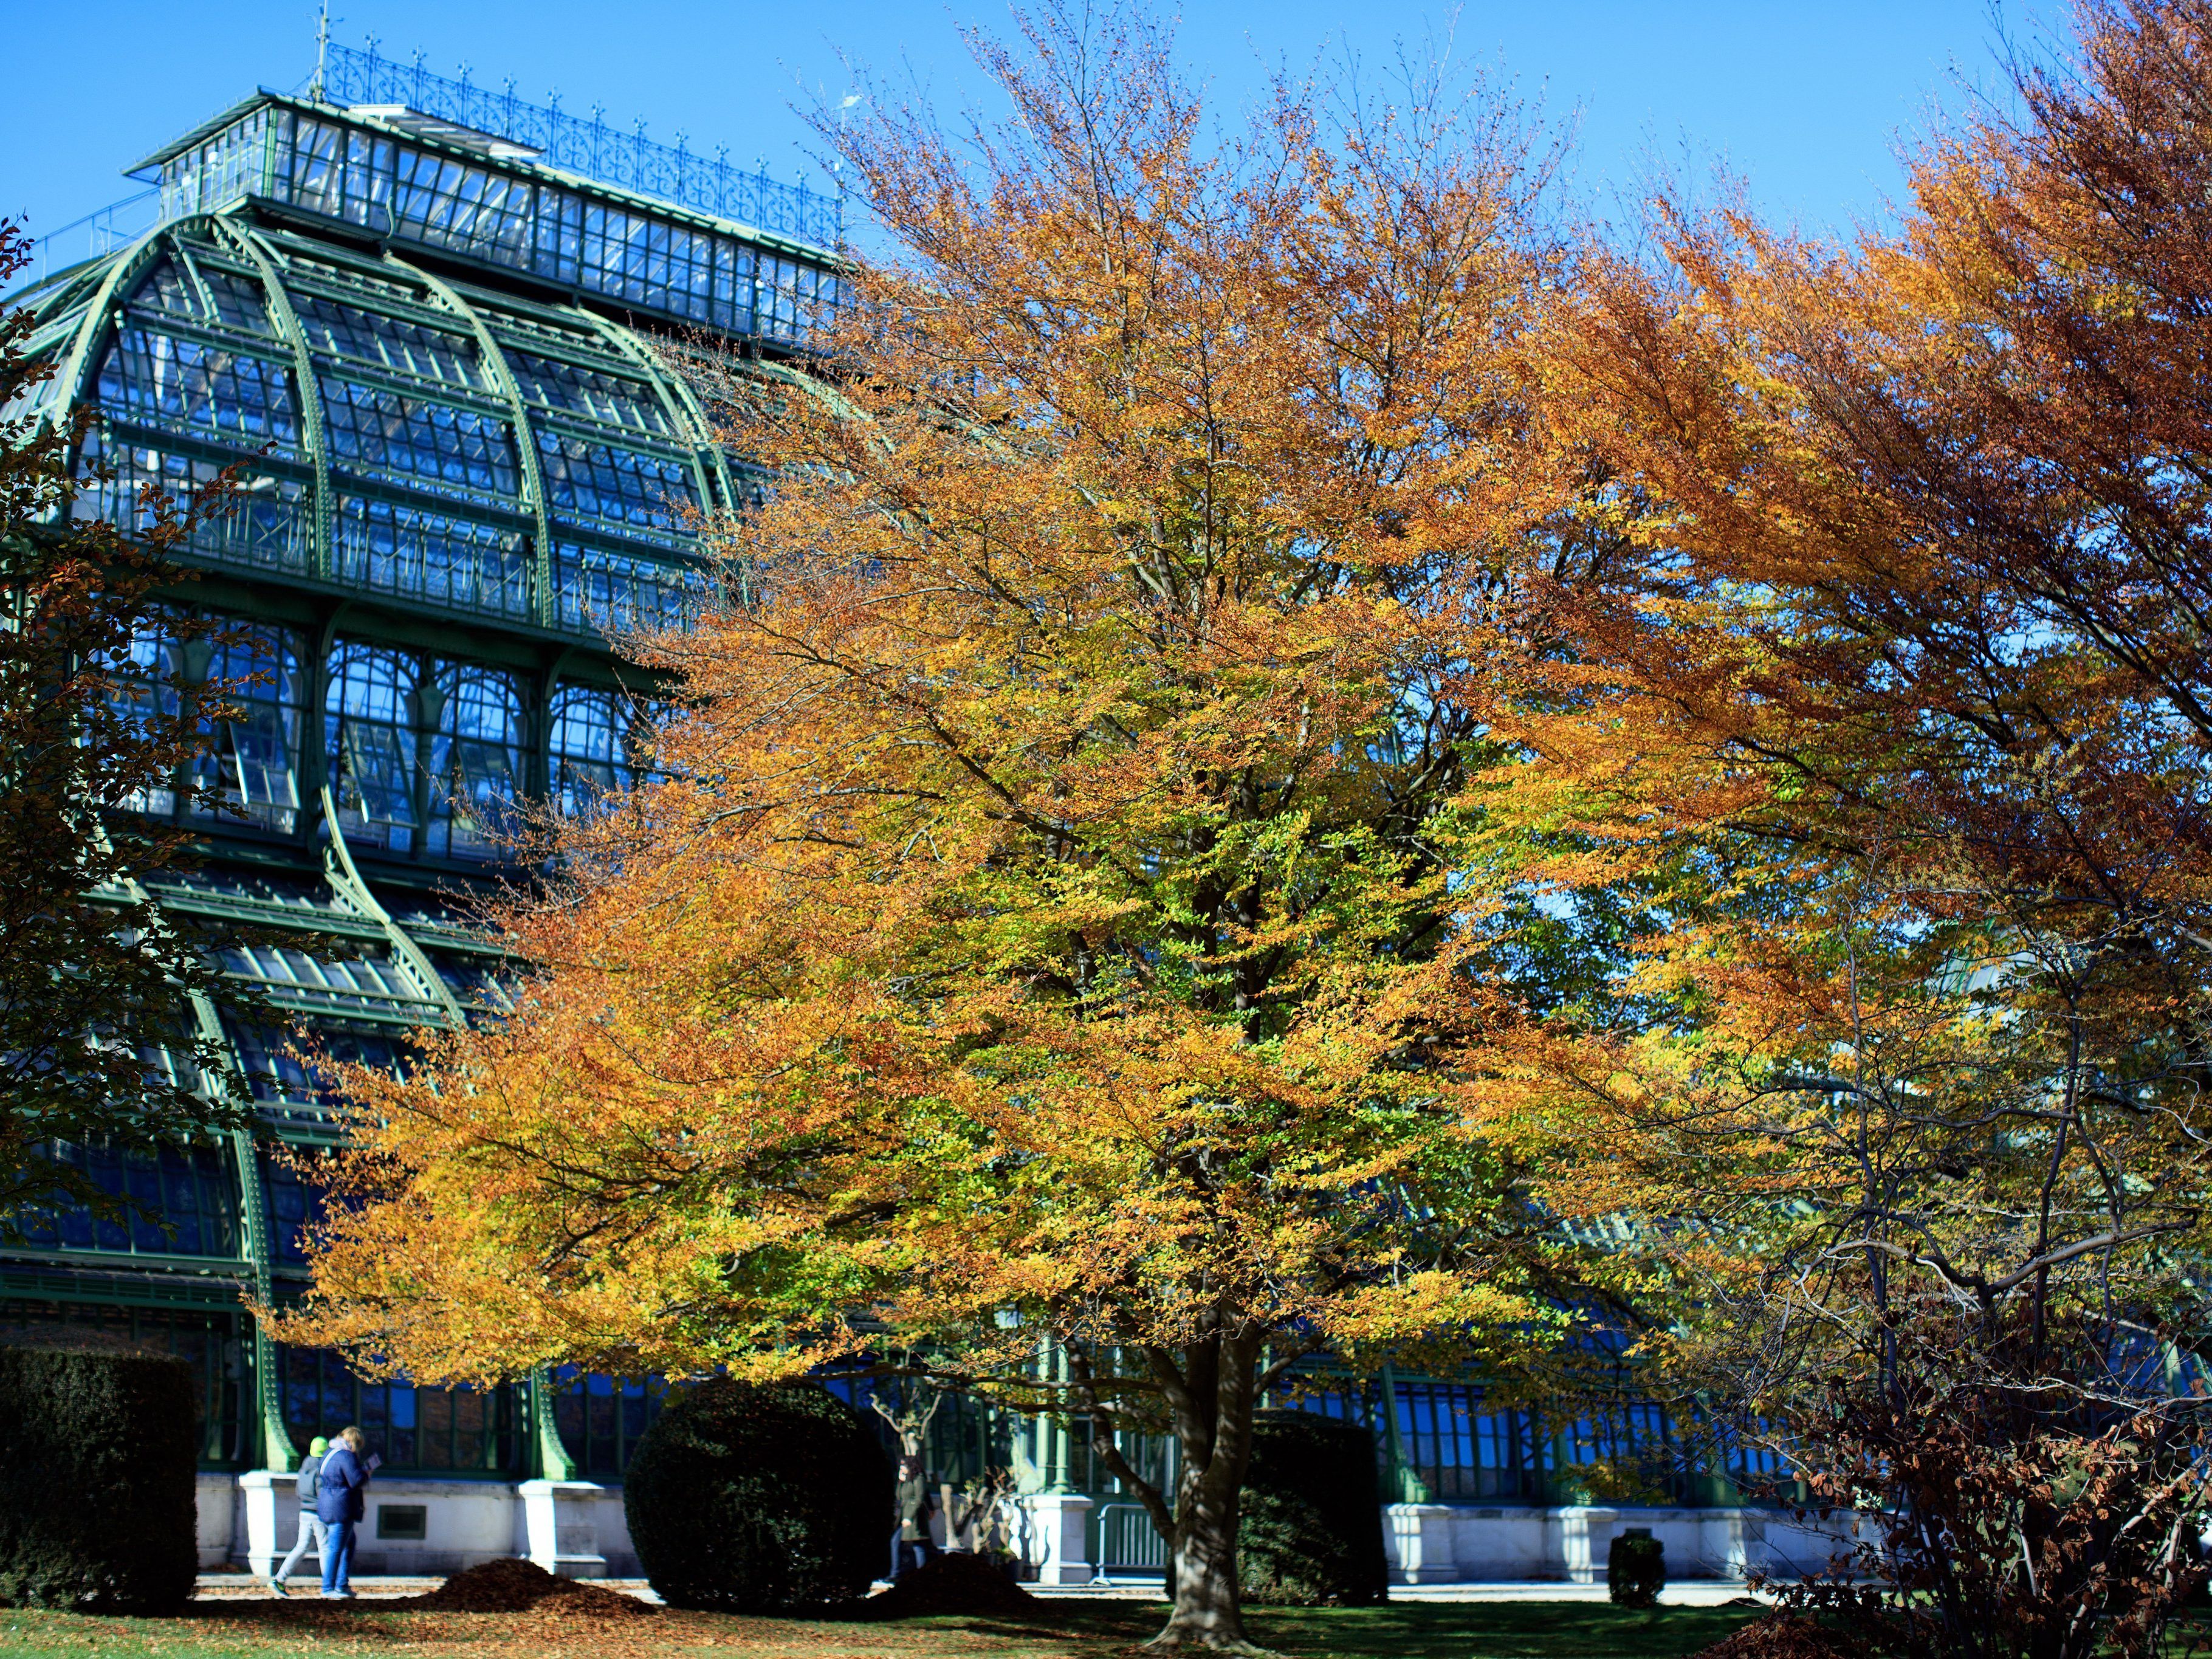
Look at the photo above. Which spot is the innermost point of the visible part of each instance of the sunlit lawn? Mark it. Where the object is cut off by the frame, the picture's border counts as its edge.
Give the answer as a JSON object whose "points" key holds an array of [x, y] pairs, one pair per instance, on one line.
{"points": [[1509, 1630]]}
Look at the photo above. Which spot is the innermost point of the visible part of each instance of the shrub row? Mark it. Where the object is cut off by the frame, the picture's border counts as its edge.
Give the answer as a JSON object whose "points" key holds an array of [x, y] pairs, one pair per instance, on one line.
{"points": [[97, 1456], [739, 1499]]}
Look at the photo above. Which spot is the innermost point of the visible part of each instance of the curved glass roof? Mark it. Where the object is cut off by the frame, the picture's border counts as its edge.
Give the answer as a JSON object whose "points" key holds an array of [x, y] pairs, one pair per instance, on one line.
{"points": [[459, 469], [397, 433]]}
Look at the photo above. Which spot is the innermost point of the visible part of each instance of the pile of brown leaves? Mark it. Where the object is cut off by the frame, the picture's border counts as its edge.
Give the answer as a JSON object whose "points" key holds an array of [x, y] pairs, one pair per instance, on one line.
{"points": [[1781, 1635], [513, 1585]]}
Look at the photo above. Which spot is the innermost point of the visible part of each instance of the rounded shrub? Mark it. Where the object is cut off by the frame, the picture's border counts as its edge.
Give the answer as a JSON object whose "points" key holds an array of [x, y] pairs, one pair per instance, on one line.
{"points": [[1635, 1569], [744, 1499], [1311, 1531], [97, 1455]]}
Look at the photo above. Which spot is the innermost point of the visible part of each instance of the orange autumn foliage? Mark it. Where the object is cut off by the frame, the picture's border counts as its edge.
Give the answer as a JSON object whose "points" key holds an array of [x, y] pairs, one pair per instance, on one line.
{"points": [[1895, 726], [1047, 930]]}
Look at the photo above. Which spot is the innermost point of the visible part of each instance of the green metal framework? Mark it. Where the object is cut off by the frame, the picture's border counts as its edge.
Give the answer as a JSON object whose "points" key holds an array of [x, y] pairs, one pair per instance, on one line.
{"points": [[464, 469]]}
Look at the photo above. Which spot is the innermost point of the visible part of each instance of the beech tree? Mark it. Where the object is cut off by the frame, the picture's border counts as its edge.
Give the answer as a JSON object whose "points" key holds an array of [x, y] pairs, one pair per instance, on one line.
{"points": [[1896, 717], [1048, 935]]}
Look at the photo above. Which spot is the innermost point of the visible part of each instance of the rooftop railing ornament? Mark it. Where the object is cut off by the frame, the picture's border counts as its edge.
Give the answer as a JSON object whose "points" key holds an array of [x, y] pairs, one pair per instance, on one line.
{"points": [[629, 160], [97, 233]]}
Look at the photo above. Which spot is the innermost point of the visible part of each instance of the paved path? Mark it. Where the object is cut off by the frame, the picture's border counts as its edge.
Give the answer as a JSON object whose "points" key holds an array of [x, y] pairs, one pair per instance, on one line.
{"points": [[1685, 1593], [1688, 1593], [307, 1587]]}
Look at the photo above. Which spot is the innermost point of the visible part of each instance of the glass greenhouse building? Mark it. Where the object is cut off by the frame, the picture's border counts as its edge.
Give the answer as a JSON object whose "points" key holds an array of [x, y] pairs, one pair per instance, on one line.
{"points": [[414, 317], [417, 317]]}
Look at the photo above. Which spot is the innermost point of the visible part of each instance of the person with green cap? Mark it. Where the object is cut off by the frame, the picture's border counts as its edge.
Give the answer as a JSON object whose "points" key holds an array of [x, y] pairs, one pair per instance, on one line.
{"points": [[313, 1530]]}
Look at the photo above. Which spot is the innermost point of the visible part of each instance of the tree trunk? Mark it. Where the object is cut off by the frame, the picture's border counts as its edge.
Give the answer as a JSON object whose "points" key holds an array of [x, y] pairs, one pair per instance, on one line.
{"points": [[1202, 1565], [1211, 1397]]}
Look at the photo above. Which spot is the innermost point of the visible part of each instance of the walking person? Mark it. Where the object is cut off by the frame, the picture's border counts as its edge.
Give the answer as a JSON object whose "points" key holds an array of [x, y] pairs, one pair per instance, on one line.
{"points": [[916, 1548], [312, 1530], [338, 1487]]}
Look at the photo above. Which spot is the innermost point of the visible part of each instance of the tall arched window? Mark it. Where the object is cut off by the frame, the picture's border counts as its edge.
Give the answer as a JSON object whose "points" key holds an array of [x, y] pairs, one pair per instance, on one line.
{"points": [[425, 754], [255, 757], [601, 745], [476, 762], [248, 771], [369, 719]]}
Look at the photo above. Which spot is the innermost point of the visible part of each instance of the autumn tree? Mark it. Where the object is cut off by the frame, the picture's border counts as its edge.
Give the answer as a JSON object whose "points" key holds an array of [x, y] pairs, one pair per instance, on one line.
{"points": [[95, 983], [1899, 717], [1048, 941]]}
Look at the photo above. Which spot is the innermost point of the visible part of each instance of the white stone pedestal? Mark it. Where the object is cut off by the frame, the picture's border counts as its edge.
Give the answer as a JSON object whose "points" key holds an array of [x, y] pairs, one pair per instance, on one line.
{"points": [[1057, 1545], [215, 1499], [561, 1528], [1421, 1542], [1732, 1542], [270, 1501], [1581, 1541]]}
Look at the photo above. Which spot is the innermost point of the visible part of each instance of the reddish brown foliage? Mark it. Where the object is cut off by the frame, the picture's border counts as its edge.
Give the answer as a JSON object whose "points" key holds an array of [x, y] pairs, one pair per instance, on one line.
{"points": [[2011, 1527], [1782, 1635]]}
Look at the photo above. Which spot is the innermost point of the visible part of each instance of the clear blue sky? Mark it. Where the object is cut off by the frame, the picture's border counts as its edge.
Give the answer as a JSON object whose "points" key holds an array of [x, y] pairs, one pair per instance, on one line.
{"points": [[1805, 98]]}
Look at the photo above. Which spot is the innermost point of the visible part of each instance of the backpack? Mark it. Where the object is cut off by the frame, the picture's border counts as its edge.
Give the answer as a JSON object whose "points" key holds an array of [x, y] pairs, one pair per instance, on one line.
{"points": [[311, 1477]]}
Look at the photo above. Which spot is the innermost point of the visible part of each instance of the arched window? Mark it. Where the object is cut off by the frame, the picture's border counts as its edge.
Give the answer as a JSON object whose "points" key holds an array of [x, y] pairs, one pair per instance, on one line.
{"points": [[254, 765], [476, 763], [249, 771], [425, 754], [143, 694], [601, 744], [369, 722]]}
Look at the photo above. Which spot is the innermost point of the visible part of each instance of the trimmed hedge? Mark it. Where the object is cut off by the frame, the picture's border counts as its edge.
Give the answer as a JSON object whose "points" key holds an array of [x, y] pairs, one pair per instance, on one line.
{"points": [[98, 1452], [745, 1499], [1635, 1569], [1311, 1534]]}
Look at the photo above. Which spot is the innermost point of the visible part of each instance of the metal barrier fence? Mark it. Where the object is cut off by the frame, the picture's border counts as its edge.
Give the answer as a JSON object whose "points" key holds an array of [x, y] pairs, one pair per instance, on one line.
{"points": [[1128, 1543]]}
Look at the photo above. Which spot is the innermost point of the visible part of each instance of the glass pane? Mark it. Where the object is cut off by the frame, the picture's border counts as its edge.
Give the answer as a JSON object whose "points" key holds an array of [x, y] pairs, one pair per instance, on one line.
{"points": [[368, 720], [622, 486], [622, 593], [162, 380], [254, 768], [597, 394], [393, 343], [434, 556], [476, 762], [598, 745], [460, 450]]}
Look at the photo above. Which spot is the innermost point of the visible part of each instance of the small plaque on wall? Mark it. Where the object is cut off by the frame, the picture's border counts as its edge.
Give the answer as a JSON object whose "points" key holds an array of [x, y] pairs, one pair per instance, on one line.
{"points": [[403, 1521]]}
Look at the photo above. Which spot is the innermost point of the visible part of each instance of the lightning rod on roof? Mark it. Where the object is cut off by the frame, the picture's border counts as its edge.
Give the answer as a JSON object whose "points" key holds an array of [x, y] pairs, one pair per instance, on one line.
{"points": [[322, 52]]}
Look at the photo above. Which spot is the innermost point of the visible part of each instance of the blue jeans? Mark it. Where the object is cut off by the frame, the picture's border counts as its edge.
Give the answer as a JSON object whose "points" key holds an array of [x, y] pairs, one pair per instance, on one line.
{"points": [[337, 1558], [311, 1531]]}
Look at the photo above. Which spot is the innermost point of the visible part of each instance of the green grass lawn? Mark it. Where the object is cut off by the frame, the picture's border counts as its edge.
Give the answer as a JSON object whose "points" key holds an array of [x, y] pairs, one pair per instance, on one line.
{"points": [[1498, 1629]]}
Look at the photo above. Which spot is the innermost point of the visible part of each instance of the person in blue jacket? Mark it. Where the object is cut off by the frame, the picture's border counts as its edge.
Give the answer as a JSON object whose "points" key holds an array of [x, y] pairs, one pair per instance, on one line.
{"points": [[311, 1525], [338, 1487]]}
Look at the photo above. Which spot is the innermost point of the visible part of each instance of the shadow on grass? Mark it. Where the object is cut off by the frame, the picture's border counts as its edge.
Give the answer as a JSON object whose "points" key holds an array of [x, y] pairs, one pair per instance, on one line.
{"points": [[1498, 1629], [1491, 1630], [1426, 1630]]}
